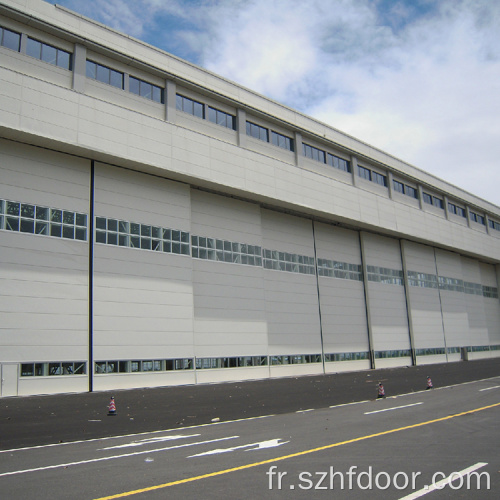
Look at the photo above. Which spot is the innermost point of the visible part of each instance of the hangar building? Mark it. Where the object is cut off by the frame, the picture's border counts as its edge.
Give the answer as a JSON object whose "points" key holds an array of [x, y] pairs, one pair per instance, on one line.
{"points": [[160, 225]]}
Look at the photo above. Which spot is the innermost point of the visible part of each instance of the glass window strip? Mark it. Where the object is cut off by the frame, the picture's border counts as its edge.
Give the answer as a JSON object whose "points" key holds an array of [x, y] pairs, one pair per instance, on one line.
{"points": [[221, 118], [384, 275], [104, 74], [393, 353], [342, 270], [145, 89], [347, 356], [226, 251], [142, 366], [257, 131], [284, 261], [337, 162], [430, 351], [128, 234], [29, 218], [294, 359], [282, 141], [10, 39], [48, 53], [477, 218], [230, 362], [190, 106], [60, 368], [494, 224], [313, 153]]}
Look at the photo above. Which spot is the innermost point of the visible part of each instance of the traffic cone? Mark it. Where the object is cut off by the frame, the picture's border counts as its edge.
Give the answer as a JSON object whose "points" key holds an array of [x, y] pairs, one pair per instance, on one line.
{"points": [[429, 383], [112, 407], [381, 390]]}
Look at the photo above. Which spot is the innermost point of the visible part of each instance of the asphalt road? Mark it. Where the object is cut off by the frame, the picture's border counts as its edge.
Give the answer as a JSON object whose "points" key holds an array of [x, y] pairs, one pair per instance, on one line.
{"points": [[38, 420], [380, 449]]}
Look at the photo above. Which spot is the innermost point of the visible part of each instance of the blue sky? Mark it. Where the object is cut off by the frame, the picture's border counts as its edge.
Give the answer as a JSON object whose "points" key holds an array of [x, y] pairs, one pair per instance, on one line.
{"points": [[419, 79]]}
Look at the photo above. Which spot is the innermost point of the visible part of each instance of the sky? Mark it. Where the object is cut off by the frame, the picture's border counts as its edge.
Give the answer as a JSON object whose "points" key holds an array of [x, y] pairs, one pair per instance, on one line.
{"points": [[419, 79]]}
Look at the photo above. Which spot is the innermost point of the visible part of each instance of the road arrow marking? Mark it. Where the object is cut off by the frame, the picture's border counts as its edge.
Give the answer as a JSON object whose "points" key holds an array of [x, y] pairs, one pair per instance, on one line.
{"points": [[152, 440], [272, 443]]}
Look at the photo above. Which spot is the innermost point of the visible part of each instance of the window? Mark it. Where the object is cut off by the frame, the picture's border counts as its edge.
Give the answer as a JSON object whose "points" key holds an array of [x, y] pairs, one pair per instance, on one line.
{"points": [[347, 356], [282, 141], [190, 106], [342, 270], [230, 362], [34, 219], [313, 153], [295, 359], [104, 74], [433, 351], [138, 366], [379, 179], [336, 162], [54, 368], [454, 209], [221, 118], [145, 89], [257, 131], [398, 186], [433, 200], [451, 284], [48, 53], [10, 39], [384, 275], [477, 218], [364, 173], [422, 280], [438, 202], [225, 251], [411, 191], [494, 225], [396, 353], [142, 236], [291, 262]]}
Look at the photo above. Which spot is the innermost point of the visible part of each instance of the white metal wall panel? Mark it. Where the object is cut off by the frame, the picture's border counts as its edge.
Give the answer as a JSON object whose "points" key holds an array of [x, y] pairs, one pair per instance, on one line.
{"points": [[291, 298], [43, 279], [476, 314], [424, 302], [453, 304], [491, 305], [387, 302], [343, 308], [143, 303], [229, 301]]}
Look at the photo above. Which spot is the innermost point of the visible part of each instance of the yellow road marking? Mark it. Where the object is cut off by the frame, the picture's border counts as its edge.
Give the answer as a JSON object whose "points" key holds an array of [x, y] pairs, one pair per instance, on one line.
{"points": [[293, 455]]}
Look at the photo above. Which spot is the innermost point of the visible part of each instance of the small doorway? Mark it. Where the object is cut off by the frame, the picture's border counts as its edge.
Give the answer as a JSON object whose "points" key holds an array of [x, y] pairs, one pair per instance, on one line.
{"points": [[464, 354], [8, 379]]}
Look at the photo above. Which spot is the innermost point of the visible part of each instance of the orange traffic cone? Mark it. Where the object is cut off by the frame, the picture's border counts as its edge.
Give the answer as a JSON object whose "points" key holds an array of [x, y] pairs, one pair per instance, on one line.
{"points": [[429, 383], [381, 390], [112, 407]]}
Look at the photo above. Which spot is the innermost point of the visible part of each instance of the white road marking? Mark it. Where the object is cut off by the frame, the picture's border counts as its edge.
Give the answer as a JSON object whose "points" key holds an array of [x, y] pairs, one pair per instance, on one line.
{"points": [[441, 484], [272, 443], [393, 408], [304, 411], [350, 404], [152, 440], [92, 460], [51, 445], [489, 388]]}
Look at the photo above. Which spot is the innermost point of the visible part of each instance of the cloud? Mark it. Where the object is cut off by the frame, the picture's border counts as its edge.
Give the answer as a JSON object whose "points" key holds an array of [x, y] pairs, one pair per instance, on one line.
{"points": [[425, 90], [416, 78]]}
